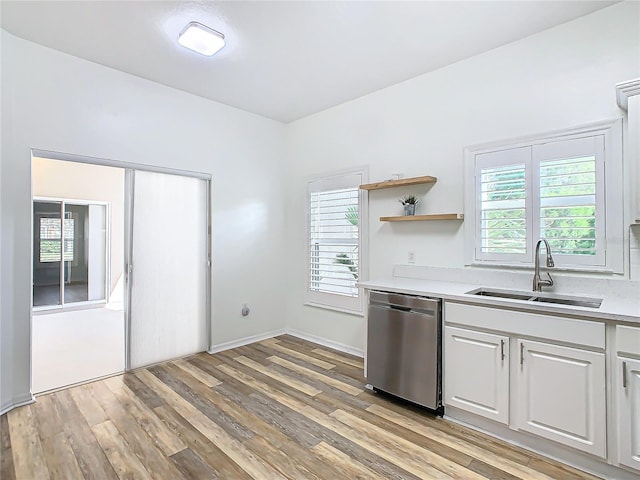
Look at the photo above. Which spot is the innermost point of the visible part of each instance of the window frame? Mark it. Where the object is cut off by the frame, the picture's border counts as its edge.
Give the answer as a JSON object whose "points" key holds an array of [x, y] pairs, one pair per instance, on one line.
{"points": [[609, 187], [332, 181]]}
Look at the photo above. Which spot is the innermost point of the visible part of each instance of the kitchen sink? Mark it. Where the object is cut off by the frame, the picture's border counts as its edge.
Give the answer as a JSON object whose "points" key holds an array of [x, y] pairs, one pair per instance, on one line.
{"points": [[538, 297], [502, 294], [576, 302]]}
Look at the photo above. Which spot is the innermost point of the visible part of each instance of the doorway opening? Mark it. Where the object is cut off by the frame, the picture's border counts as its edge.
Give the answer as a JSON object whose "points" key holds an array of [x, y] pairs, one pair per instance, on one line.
{"points": [[121, 267], [78, 321]]}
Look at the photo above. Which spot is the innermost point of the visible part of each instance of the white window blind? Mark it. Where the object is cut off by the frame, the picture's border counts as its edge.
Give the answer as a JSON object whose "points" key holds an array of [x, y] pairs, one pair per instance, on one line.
{"points": [[334, 223], [503, 225], [568, 205], [552, 188], [571, 199], [503, 229], [51, 239]]}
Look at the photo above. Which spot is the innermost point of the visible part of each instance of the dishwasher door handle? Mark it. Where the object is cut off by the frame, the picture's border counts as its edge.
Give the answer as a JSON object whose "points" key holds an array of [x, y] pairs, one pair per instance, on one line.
{"points": [[399, 307], [405, 309]]}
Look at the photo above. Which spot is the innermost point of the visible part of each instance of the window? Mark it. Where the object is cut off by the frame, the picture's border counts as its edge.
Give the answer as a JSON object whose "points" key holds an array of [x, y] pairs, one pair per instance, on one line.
{"points": [[335, 227], [51, 241], [554, 188]]}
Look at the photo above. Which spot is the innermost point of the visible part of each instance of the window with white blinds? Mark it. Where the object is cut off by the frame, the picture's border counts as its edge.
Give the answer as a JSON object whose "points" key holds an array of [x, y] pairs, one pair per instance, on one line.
{"points": [[551, 188], [51, 239], [568, 205], [334, 250], [503, 224]]}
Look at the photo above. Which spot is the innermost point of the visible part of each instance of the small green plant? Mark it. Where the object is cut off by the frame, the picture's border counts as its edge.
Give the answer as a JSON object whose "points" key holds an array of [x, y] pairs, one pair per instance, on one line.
{"points": [[352, 215], [409, 200], [343, 259]]}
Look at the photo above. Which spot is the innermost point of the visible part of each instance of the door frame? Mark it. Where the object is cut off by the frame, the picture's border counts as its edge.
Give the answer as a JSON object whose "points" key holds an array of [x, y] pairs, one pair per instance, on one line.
{"points": [[129, 170]]}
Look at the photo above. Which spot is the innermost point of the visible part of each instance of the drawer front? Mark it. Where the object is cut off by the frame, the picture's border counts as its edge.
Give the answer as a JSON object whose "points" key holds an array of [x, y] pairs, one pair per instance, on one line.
{"points": [[559, 329], [627, 340]]}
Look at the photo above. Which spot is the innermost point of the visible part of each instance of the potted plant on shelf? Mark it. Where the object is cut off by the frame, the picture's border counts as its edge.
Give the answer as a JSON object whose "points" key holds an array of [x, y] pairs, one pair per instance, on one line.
{"points": [[409, 202]]}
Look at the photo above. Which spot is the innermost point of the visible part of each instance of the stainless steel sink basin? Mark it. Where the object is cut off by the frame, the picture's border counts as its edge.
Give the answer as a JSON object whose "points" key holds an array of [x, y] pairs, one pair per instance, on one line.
{"points": [[502, 294], [576, 302], [538, 297]]}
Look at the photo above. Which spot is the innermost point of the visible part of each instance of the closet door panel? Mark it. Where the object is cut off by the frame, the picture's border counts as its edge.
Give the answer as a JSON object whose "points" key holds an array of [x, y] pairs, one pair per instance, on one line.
{"points": [[168, 268]]}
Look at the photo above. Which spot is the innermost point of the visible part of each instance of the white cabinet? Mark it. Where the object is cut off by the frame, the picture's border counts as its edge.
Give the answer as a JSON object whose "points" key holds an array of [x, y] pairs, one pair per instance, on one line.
{"points": [[627, 392], [477, 372], [553, 391], [628, 97], [629, 412], [561, 395]]}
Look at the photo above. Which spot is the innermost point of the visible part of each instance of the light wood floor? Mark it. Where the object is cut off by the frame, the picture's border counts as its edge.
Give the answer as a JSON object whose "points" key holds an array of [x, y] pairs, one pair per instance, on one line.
{"points": [[281, 408]]}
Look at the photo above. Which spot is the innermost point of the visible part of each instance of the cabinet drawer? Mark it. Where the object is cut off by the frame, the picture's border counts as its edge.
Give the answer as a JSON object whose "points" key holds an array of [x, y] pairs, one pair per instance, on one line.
{"points": [[627, 340], [559, 329]]}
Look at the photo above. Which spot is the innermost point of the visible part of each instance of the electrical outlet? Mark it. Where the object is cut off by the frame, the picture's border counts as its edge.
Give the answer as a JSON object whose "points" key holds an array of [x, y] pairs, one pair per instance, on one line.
{"points": [[411, 257]]}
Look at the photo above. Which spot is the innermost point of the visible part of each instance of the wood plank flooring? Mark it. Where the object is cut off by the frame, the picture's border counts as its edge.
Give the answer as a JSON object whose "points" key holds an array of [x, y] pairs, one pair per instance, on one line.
{"points": [[282, 408]]}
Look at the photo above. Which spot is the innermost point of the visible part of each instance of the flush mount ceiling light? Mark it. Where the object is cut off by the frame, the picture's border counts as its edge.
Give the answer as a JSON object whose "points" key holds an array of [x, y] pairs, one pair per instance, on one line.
{"points": [[201, 39]]}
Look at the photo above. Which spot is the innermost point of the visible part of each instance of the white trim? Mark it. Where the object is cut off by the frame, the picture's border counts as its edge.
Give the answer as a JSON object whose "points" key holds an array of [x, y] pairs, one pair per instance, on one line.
{"points": [[326, 342], [553, 450], [70, 307], [241, 342], [347, 304], [82, 382], [553, 135], [19, 402], [627, 89], [614, 182], [36, 152], [335, 309]]}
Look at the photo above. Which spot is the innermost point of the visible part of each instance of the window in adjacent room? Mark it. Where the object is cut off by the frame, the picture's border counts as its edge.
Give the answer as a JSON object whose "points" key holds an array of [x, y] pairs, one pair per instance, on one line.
{"points": [[51, 239], [335, 247], [566, 188]]}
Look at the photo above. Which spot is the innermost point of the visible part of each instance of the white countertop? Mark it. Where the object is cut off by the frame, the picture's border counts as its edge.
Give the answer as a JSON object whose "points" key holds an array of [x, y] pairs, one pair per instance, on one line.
{"points": [[619, 309]]}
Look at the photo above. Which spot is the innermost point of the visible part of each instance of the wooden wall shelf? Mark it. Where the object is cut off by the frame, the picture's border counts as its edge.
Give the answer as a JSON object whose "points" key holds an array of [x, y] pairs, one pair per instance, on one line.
{"points": [[403, 182], [422, 218]]}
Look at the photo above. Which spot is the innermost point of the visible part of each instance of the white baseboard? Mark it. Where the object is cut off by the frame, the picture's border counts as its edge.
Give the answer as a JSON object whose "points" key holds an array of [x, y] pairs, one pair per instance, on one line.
{"points": [[220, 347], [326, 342], [17, 402]]}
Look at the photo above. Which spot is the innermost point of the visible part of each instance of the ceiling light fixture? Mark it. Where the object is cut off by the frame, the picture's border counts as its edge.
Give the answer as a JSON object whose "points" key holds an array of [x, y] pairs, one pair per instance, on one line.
{"points": [[201, 39]]}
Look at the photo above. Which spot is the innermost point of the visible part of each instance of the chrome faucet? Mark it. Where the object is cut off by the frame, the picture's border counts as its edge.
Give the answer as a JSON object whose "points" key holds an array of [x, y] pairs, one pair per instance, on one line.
{"points": [[538, 282]]}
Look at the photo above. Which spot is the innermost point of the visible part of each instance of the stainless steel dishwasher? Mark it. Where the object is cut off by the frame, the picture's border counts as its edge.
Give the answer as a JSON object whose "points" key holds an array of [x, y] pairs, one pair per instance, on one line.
{"points": [[404, 352]]}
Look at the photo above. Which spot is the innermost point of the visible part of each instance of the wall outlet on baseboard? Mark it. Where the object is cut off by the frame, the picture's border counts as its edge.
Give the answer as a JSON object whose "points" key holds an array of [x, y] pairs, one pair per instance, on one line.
{"points": [[411, 256]]}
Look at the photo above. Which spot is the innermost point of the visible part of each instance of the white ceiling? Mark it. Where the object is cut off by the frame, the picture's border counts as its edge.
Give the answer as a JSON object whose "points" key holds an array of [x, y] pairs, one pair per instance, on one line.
{"points": [[284, 60]]}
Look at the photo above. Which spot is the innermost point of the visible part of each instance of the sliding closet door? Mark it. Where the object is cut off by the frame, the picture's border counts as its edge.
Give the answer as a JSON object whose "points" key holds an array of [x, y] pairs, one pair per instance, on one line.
{"points": [[168, 301]]}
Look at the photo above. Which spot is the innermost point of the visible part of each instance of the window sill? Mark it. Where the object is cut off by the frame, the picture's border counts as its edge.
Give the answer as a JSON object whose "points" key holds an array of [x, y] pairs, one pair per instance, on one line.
{"points": [[335, 309], [43, 310], [567, 269]]}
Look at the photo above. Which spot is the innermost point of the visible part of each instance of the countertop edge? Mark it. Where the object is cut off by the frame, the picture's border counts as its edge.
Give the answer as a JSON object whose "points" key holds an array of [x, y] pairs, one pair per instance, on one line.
{"points": [[453, 291]]}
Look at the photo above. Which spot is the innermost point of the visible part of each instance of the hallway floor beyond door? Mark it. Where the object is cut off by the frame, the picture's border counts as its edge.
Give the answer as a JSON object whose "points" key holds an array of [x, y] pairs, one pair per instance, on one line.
{"points": [[76, 346]]}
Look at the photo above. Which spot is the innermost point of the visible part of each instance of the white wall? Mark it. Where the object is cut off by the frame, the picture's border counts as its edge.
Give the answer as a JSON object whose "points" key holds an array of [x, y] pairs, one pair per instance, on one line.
{"points": [[53, 101], [560, 78]]}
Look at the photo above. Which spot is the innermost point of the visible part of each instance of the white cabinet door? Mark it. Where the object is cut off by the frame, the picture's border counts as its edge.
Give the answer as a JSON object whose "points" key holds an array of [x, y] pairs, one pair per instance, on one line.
{"points": [[561, 395], [633, 147], [476, 373], [628, 393]]}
